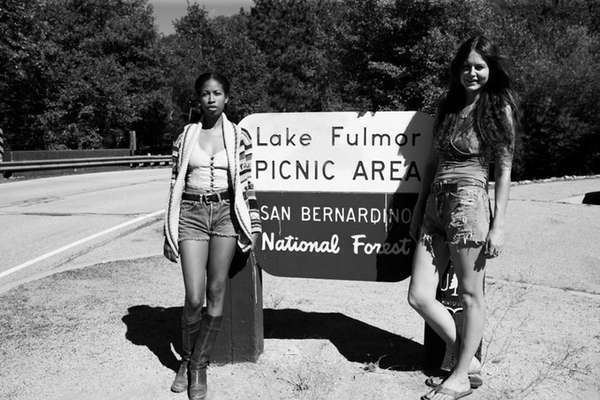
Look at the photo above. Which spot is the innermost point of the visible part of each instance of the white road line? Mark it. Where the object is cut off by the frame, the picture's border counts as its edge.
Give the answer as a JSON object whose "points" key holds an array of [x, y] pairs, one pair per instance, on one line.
{"points": [[81, 241]]}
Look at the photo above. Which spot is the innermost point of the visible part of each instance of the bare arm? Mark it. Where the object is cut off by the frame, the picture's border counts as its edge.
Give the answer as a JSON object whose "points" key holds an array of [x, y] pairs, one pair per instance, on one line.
{"points": [[419, 209], [502, 168], [501, 192]]}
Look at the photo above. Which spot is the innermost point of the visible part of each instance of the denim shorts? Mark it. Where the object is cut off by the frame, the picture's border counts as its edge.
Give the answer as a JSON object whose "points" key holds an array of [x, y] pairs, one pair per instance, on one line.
{"points": [[199, 220], [458, 212]]}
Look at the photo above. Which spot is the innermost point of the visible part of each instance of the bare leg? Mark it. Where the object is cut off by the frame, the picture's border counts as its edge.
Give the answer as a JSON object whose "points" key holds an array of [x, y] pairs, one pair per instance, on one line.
{"points": [[193, 264], [469, 264], [426, 274], [222, 250], [470, 268], [194, 254]]}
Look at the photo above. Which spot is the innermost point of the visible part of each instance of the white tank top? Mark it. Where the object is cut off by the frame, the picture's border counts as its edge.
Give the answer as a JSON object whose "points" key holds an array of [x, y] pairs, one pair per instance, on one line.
{"points": [[207, 173]]}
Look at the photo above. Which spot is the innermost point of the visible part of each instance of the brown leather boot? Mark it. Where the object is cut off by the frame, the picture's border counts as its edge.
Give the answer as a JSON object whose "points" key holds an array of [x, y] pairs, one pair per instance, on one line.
{"points": [[209, 329], [180, 382], [189, 334], [197, 388]]}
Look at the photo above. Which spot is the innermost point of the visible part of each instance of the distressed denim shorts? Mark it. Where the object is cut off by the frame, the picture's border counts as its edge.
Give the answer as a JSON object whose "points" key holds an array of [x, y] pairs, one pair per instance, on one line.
{"points": [[199, 220], [458, 212]]}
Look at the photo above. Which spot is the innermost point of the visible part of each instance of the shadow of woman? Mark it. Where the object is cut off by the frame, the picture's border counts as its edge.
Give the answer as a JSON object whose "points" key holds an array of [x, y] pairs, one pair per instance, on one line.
{"points": [[159, 328], [156, 328], [397, 267], [354, 339]]}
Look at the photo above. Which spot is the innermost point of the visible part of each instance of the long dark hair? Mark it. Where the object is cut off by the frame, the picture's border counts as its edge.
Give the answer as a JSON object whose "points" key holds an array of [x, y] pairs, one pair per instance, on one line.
{"points": [[490, 121]]}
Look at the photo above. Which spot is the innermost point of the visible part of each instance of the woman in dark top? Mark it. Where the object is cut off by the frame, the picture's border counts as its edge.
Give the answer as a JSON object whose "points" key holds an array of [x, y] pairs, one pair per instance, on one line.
{"points": [[452, 220]]}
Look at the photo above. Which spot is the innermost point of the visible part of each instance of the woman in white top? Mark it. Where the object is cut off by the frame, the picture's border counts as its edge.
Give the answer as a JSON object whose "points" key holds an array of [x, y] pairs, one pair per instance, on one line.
{"points": [[212, 209]]}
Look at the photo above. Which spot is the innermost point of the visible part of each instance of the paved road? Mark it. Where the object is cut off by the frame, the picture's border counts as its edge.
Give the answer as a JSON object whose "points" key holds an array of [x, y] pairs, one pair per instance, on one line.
{"points": [[42, 215], [550, 239]]}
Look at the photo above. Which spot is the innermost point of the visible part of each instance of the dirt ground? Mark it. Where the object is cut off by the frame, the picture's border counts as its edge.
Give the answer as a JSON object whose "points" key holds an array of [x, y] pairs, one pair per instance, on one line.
{"points": [[67, 337], [104, 331]]}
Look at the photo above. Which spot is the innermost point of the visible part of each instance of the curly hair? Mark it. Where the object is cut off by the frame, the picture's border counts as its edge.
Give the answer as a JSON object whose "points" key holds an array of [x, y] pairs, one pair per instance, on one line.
{"points": [[492, 124]]}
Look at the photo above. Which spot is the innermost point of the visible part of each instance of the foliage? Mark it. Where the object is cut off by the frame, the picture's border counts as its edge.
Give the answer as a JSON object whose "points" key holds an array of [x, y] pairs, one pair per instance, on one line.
{"points": [[401, 63], [220, 45], [22, 69], [371, 71], [81, 73], [107, 71], [555, 56], [96, 72], [560, 124], [298, 40]]}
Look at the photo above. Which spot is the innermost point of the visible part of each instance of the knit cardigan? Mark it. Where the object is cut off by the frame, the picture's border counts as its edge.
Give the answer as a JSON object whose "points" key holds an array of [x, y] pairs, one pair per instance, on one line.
{"points": [[238, 147]]}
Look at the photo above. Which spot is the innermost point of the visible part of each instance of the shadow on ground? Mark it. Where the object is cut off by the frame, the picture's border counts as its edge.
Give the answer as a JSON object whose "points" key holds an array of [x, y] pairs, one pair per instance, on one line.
{"points": [[354, 339], [158, 327]]}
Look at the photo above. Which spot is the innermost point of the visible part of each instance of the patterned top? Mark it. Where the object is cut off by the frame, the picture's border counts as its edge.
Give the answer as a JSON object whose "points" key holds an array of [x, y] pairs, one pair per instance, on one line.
{"points": [[464, 155], [238, 147]]}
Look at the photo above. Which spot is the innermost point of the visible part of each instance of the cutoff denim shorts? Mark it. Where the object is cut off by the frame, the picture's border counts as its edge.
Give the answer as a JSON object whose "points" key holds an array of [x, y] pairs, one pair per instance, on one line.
{"points": [[458, 212], [199, 220]]}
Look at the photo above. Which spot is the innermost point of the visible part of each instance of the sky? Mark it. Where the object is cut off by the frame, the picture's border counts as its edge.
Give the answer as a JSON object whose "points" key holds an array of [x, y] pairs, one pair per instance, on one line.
{"points": [[166, 11]]}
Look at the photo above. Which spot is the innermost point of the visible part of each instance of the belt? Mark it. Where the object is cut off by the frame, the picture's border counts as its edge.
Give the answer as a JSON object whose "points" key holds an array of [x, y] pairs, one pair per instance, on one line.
{"points": [[206, 198], [453, 186]]}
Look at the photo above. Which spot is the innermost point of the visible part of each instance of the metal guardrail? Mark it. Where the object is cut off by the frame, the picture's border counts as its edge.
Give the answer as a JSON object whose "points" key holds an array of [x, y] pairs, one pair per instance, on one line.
{"points": [[8, 167]]}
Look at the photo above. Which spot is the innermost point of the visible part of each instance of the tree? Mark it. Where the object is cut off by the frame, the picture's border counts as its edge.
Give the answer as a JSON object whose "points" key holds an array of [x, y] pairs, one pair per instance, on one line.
{"points": [[298, 39], [221, 45], [82, 73], [107, 72], [23, 78]]}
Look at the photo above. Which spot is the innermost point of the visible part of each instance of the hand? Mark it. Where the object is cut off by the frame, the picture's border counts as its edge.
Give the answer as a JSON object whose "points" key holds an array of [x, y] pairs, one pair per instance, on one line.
{"points": [[255, 237], [169, 253], [494, 243]]}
